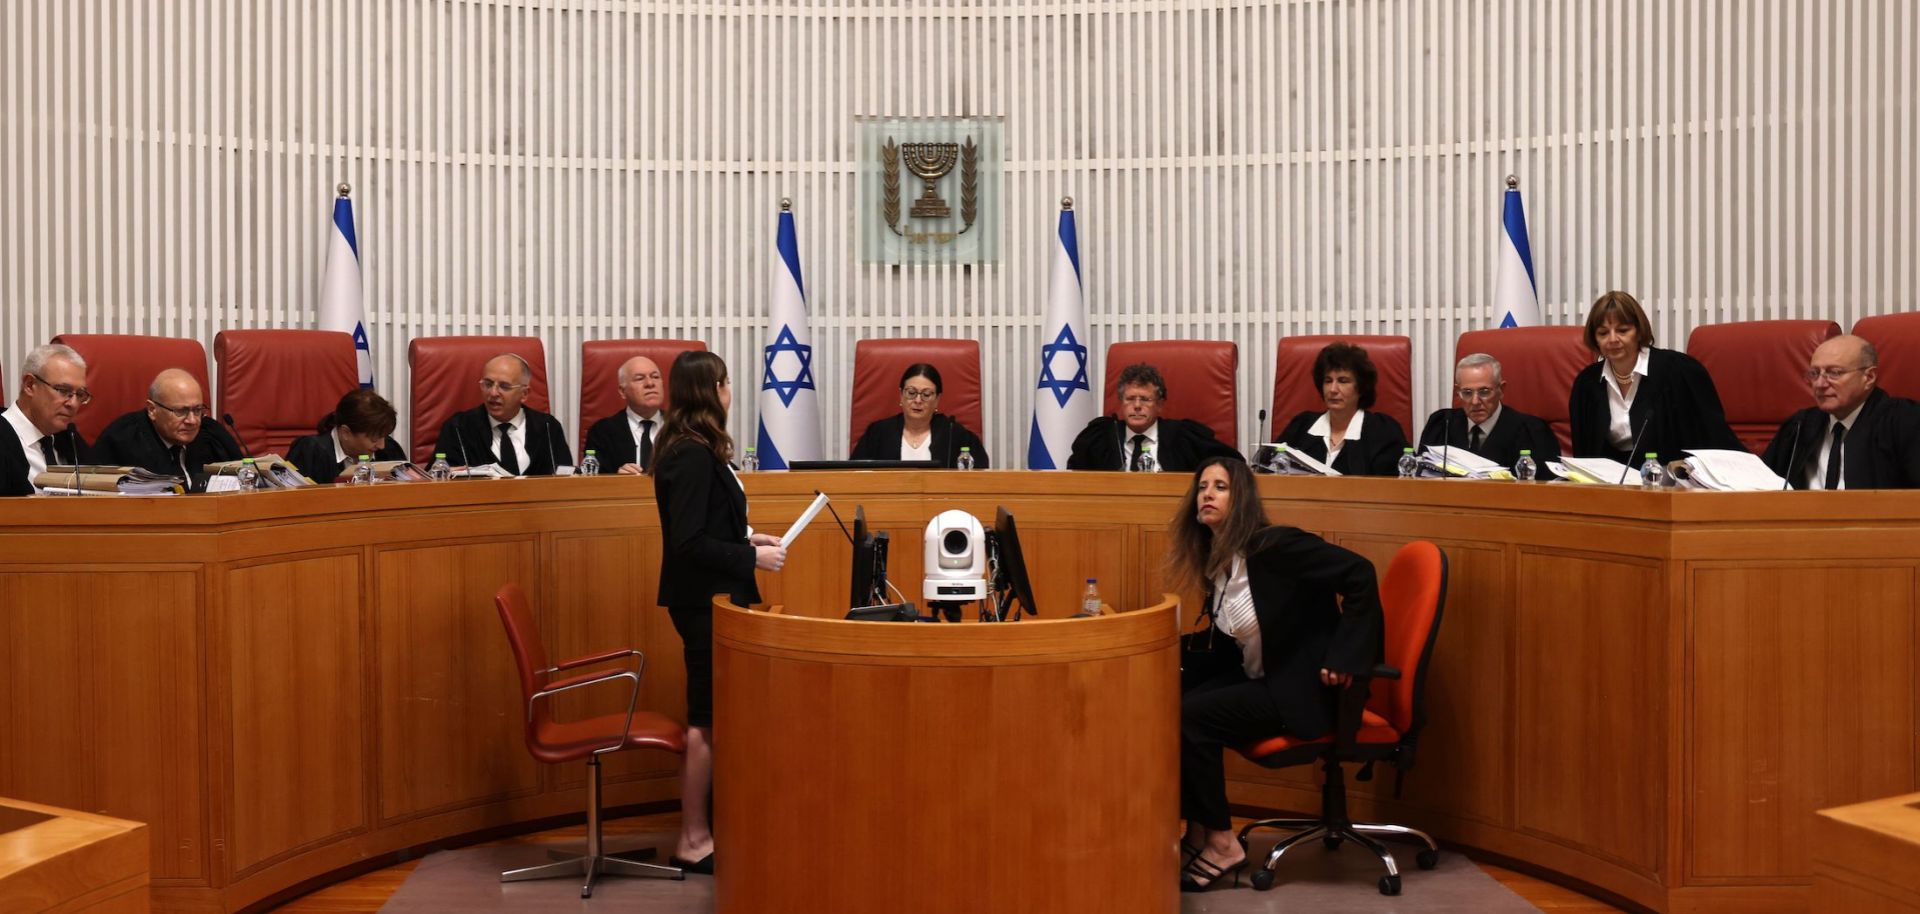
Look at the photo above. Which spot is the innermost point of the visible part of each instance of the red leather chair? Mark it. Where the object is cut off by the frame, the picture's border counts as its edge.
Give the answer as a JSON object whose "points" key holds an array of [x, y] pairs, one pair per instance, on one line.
{"points": [[553, 741], [600, 362], [120, 368], [446, 379], [1203, 380], [878, 364], [1897, 338], [1295, 392], [1538, 364], [1757, 366], [1381, 717], [278, 384]]}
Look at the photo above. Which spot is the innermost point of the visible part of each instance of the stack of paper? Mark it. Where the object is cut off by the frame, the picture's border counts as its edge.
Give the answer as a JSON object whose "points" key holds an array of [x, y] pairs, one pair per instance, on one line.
{"points": [[483, 471], [1602, 471], [1731, 471], [275, 472], [398, 471], [1459, 461], [123, 480], [1279, 458]]}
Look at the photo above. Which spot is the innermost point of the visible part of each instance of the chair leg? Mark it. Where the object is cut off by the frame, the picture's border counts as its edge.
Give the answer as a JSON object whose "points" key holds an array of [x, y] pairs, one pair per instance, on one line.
{"points": [[595, 862], [1396, 831]]}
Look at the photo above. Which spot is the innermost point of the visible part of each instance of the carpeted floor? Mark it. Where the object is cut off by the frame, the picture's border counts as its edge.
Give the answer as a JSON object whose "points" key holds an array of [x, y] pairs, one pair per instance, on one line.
{"points": [[1310, 879]]}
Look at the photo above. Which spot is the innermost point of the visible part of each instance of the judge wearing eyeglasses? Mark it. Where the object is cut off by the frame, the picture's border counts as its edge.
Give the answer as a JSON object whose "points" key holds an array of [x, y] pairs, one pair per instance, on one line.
{"points": [[1484, 424], [172, 435], [1855, 436], [919, 431], [38, 431], [503, 430]]}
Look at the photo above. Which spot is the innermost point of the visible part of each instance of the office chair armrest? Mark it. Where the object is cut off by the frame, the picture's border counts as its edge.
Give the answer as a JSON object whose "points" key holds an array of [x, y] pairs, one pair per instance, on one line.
{"points": [[591, 659], [586, 679], [1383, 671]]}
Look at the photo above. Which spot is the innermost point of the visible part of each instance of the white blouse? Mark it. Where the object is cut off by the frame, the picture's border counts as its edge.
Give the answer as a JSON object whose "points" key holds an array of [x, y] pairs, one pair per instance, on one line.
{"points": [[1233, 615]]}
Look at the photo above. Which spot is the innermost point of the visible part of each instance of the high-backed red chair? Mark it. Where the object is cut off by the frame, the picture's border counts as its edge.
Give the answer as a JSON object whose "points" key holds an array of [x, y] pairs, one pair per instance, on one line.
{"points": [[1203, 381], [878, 364], [553, 741], [1381, 717], [1897, 338], [445, 379], [1295, 392], [278, 384], [600, 362], [1538, 364], [120, 368], [1757, 366]]}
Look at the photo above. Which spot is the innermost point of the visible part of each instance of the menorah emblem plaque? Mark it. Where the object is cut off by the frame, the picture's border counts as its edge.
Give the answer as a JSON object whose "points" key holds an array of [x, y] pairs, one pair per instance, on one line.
{"points": [[931, 162]]}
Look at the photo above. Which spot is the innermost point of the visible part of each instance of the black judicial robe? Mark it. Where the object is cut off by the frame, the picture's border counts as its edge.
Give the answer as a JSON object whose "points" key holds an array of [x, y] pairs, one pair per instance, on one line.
{"points": [[1377, 453], [131, 441], [313, 454], [68, 446], [1882, 449], [1677, 409], [467, 438], [1514, 431], [881, 441], [611, 440], [1105, 444]]}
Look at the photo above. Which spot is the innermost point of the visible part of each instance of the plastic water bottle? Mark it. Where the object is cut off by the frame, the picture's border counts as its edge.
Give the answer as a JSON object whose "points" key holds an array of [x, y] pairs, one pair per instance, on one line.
{"points": [[965, 461], [748, 462], [440, 471], [1147, 463], [1652, 474], [363, 472], [589, 465], [1409, 464], [1090, 600], [249, 475], [1525, 469]]}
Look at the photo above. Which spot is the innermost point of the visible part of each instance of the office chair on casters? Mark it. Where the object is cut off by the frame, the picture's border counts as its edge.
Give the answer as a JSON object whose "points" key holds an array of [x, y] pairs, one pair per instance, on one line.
{"points": [[553, 741], [1375, 725]]}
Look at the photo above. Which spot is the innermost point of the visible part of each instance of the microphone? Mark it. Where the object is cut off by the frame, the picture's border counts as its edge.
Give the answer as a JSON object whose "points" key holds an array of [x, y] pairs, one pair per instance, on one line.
{"points": [[462, 440], [1793, 453], [836, 517], [950, 436], [1446, 440], [228, 419], [1635, 449], [1260, 425], [1120, 441], [553, 468], [73, 450]]}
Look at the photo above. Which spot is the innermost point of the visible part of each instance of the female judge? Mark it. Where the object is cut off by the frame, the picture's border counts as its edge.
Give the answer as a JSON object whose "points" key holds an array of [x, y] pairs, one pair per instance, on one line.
{"points": [[709, 549], [1347, 435], [1278, 641], [918, 431], [361, 423], [1661, 399]]}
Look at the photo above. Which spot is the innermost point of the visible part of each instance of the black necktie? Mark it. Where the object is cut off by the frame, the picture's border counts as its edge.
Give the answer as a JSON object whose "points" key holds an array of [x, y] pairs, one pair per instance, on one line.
{"points": [[1133, 463], [179, 454], [509, 460], [46, 448], [1473, 439], [1833, 456], [646, 442]]}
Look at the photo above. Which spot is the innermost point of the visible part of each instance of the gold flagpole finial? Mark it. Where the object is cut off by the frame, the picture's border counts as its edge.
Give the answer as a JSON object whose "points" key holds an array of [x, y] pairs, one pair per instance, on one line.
{"points": [[1066, 203], [344, 188], [786, 205], [1513, 182]]}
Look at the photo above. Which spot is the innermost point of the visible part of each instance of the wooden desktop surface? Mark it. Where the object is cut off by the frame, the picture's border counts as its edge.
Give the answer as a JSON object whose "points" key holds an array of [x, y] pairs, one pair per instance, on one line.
{"points": [[1650, 692], [60, 861]]}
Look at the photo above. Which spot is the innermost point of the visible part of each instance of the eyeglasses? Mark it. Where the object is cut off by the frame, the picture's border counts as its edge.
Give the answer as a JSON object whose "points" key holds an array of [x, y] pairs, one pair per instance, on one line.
{"points": [[918, 395], [184, 412], [489, 384], [78, 394], [1140, 401], [1476, 393], [1831, 374]]}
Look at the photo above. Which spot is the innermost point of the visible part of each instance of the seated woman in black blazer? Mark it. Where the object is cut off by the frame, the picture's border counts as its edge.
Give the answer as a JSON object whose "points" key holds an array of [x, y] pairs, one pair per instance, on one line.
{"points": [[918, 431], [362, 423], [1289, 617], [1362, 443], [1662, 399], [708, 549]]}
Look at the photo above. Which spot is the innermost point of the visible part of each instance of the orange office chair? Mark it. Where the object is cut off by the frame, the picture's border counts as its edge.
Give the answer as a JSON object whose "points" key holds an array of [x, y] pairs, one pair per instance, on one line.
{"points": [[1376, 724], [1897, 337], [1294, 391], [120, 367], [278, 383], [600, 362], [1757, 367], [445, 372], [1538, 364], [553, 741], [1202, 381]]}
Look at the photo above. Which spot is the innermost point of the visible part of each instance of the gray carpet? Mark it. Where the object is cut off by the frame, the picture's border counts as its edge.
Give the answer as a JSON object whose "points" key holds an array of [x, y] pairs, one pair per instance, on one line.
{"points": [[1310, 879]]}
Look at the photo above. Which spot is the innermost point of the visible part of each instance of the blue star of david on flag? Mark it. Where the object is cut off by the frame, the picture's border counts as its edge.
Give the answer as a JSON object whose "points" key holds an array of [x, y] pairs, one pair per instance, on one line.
{"points": [[1064, 344], [803, 378]]}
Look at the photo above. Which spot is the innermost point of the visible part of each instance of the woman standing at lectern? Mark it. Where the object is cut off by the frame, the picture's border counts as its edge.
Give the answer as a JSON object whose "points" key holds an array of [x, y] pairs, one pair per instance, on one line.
{"points": [[1637, 399], [708, 549], [1277, 643]]}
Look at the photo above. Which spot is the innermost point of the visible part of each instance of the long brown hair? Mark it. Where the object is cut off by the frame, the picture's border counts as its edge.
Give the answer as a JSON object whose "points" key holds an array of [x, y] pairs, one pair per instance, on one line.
{"points": [[1199, 552], [697, 417]]}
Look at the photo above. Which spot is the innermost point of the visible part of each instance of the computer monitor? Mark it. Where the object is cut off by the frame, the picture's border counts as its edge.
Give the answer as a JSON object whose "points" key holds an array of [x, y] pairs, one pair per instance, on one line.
{"points": [[869, 572], [1010, 581]]}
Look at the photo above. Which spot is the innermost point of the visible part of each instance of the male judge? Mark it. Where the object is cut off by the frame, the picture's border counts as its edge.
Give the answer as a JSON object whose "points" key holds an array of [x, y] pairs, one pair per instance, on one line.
{"points": [[1855, 436], [625, 439], [502, 430], [1486, 426], [171, 435], [1178, 445], [38, 431]]}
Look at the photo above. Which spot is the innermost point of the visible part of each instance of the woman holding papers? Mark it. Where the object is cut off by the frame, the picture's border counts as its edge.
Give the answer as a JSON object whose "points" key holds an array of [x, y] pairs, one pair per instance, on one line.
{"points": [[362, 423], [918, 431], [1289, 618], [708, 550], [1636, 399], [1347, 436]]}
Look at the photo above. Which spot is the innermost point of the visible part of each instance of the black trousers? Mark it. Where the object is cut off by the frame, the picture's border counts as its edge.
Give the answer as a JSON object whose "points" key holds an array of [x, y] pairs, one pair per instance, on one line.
{"points": [[1224, 709], [695, 625]]}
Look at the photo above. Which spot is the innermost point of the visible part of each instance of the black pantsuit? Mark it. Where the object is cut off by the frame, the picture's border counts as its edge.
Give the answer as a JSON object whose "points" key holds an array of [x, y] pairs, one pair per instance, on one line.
{"points": [[703, 519], [1226, 710]]}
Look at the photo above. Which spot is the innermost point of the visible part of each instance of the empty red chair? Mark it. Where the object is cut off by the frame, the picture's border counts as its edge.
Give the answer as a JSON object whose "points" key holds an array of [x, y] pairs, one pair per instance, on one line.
{"points": [[1758, 368], [1897, 338], [1538, 364], [1203, 381], [446, 379], [1295, 392], [120, 368], [878, 365], [278, 384], [600, 362]]}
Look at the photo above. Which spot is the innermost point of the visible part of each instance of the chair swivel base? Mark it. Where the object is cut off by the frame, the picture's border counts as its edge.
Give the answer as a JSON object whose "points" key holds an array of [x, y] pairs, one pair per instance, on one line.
{"points": [[592, 867], [1332, 834]]}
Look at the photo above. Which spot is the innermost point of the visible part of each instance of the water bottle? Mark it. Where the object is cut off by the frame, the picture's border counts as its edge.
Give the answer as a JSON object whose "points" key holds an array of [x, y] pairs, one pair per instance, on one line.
{"points": [[1090, 600], [363, 472], [965, 462], [1147, 463], [748, 462], [249, 475], [1409, 464], [440, 471], [590, 464], [1525, 469], [1651, 472]]}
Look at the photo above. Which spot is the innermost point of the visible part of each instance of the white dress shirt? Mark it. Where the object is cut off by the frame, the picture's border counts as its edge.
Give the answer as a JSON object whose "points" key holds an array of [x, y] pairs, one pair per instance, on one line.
{"points": [[340, 454], [29, 435], [1620, 405], [1323, 429], [516, 433], [923, 452], [1233, 615], [1126, 445], [1817, 467]]}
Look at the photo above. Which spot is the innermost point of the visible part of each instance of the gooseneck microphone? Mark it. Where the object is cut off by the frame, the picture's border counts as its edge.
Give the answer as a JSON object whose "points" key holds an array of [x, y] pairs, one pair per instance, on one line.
{"points": [[73, 451], [462, 440], [1446, 440], [553, 469], [228, 419], [1635, 449], [950, 436], [1793, 454]]}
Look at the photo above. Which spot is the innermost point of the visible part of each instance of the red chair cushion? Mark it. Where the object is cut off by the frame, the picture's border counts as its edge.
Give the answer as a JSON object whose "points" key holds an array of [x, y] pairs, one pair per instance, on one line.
{"points": [[1295, 392], [878, 364], [446, 379], [1203, 380], [120, 368], [1538, 364], [600, 362], [551, 741], [1410, 599], [1757, 368], [278, 384], [1374, 730], [1897, 337]]}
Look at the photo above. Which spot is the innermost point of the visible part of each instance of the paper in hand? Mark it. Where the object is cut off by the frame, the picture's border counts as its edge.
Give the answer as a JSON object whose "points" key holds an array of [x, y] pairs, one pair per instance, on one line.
{"points": [[806, 517]]}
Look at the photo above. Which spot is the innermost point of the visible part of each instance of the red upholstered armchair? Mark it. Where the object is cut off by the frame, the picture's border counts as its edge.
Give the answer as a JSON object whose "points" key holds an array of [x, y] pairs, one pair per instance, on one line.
{"points": [[446, 379], [600, 362], [878, 364], [1897, 337], [278, 384], [1757, 366], [1203, 381], [120, 368], [1538, 364], [1294, 390]]}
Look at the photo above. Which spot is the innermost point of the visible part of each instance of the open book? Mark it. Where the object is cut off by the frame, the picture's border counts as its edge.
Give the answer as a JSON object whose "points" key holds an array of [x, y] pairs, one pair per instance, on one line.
{"points": [[71, 480], [1730, 471], [1279, 458], [1459, 461]]}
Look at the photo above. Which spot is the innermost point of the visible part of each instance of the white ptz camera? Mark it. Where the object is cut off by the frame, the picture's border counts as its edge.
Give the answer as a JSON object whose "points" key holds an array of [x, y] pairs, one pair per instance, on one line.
{"points": [[956, 553]]}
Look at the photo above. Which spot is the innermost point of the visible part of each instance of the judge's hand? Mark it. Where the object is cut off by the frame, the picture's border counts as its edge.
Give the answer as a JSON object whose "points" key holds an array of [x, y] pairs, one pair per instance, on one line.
{"points": [[765, 539], [630, 469], [769, 558], [1331, 678]]}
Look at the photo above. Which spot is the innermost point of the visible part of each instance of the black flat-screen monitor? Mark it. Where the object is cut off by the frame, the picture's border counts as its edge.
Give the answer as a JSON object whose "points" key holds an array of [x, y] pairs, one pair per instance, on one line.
{"points": [[864, 465], [868, 578], [1010, 581]]}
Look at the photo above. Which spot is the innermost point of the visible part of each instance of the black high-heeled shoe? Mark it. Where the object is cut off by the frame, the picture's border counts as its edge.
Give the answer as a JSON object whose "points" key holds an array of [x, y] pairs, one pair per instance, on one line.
{"points": [[1202, 868]]}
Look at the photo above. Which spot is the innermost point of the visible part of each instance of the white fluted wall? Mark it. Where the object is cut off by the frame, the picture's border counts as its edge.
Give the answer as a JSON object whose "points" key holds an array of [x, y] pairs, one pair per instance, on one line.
{"points": [[1244, 170]]}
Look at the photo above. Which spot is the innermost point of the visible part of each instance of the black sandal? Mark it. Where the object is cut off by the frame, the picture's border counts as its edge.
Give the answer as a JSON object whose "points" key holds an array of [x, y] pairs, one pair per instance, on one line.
{"points": [[1203, 868]]}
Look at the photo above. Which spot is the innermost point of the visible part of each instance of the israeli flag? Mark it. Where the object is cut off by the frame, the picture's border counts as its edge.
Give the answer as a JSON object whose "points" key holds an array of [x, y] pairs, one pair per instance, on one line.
{"points": [[1516, 300], [1062, 400], [789, 402], [340, 305]]}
